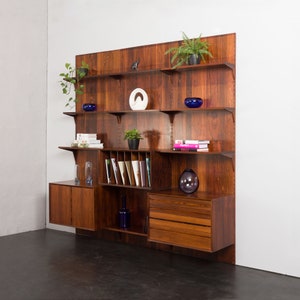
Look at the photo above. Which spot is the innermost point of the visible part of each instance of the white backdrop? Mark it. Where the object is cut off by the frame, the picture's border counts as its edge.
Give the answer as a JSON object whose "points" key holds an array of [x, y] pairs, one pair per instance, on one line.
{"points": [[267, 119], [23, 65]]}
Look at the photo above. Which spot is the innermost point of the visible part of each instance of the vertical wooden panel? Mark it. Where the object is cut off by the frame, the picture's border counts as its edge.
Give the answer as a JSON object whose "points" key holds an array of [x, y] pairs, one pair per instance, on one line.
{"points": [[60, 204], [83, 208]]}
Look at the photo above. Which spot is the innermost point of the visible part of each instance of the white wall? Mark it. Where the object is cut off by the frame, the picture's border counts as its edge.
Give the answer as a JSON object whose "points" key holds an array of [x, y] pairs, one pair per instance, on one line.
{"points": [[23, 65], [267, 162]]}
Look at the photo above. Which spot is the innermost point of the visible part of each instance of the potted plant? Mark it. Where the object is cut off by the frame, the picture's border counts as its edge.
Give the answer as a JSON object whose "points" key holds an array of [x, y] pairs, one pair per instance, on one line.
{"points": [[133, 136], [191, 51], [71, 81]]}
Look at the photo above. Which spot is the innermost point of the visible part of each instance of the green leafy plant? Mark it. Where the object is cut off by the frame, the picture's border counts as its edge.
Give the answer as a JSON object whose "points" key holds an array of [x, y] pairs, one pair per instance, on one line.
{"points": [[132, 135], [70, 81], [189, 47]]}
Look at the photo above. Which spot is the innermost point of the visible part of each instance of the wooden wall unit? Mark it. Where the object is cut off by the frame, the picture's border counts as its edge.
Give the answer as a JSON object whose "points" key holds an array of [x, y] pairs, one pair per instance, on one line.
{"points": [[162, 217]]}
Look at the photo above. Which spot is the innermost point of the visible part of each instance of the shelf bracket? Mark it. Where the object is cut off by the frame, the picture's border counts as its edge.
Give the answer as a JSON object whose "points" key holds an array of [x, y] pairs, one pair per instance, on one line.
{"points": [[171, 114], [232, 67], [118, 115], [230, 155], [232, 111]]}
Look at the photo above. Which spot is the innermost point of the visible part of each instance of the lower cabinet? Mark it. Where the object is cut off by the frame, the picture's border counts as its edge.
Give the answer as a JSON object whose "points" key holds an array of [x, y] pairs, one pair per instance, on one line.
{"points": [[199, 221], [72, 205]]}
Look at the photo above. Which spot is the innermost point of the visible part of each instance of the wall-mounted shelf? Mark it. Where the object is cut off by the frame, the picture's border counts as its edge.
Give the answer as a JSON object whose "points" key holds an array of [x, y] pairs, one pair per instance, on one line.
{"points": [[202, 223], [168, 71], [169, 112]]}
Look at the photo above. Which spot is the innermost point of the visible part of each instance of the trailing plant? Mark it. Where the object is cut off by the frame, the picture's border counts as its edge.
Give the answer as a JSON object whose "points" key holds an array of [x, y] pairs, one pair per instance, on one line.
{"points": [[70, 81], [189, 47], [132, 135]]}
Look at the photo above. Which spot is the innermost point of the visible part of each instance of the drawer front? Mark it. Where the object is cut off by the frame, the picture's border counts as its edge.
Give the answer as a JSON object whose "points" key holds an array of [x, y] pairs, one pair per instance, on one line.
{"points": [[191, 211], [180, 234]]}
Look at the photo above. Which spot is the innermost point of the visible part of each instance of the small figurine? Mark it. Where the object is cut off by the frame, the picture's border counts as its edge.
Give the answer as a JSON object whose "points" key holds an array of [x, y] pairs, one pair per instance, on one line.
{"points": [[135, 64]]}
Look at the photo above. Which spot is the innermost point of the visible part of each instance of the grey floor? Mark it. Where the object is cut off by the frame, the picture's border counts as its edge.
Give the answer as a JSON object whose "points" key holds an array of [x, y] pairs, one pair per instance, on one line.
{"points": [[48, 264]]}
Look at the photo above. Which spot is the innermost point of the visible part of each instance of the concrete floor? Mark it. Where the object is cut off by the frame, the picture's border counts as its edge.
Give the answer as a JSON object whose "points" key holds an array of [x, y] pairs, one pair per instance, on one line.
{"points": [[48, 264]]}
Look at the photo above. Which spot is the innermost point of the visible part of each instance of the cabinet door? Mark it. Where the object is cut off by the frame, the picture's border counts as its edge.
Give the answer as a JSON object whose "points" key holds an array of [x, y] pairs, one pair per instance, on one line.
{"points": [[83, 208], [60, 204]]}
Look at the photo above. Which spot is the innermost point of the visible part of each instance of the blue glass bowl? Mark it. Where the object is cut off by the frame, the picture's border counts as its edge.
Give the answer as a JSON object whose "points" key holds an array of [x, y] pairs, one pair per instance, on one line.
{"points": [[89, 107], [193, 102]]}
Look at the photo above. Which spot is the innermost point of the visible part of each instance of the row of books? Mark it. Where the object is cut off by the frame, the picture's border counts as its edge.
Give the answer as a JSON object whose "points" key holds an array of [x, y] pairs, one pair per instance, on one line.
{"points": [[129, 172], [191, 145]]}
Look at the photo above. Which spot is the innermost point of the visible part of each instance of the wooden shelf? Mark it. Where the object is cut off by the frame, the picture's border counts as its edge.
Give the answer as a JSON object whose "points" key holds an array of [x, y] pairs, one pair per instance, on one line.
{"points": [[168, 71], [78, 148], [120, 75], [125, 186], [197, 195], [73, 184], [131, 230], [125, 150], [224, 153], [170, 112], [203, 66]]}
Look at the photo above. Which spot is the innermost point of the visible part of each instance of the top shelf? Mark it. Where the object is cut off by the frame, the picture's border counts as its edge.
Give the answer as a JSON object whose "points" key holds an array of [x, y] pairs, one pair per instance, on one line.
{"points": [[166, 111], [168, 71], [198, 67]]}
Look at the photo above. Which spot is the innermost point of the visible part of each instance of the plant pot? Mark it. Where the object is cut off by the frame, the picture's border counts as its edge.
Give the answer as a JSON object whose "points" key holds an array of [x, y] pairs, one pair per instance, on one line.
{"points": [[84, 71], [194, 59], [133, 144]]}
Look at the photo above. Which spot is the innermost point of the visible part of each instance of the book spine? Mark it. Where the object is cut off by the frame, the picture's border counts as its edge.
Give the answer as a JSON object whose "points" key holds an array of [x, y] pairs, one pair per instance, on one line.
{"points": [[192, 142], [136, 171], [142, 165], [196, 141], [115, 169], [190, 146], [122, 169], [129, 172], [191, 149], [148, 167], [108, 171]]}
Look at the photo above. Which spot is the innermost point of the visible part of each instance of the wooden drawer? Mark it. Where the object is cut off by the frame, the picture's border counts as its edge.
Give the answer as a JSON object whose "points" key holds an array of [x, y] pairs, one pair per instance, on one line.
{"points": [[180, 209], [203, 222], [180, 234]]}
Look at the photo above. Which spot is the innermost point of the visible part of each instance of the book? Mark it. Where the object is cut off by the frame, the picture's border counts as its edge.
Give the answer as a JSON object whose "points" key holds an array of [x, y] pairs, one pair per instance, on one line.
{"points": [[92, 141], [142, 165], [190, 146], [98, 146], [115, 169], [191, 142], [136, 171], [129, 172], [108, 170], [122, 169], [86, 136], [191, 150], [148, 167]]}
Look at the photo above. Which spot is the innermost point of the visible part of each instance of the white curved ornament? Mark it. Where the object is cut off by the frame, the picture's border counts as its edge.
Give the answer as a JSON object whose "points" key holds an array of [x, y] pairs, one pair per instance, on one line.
{"points": [[138, 99]]}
